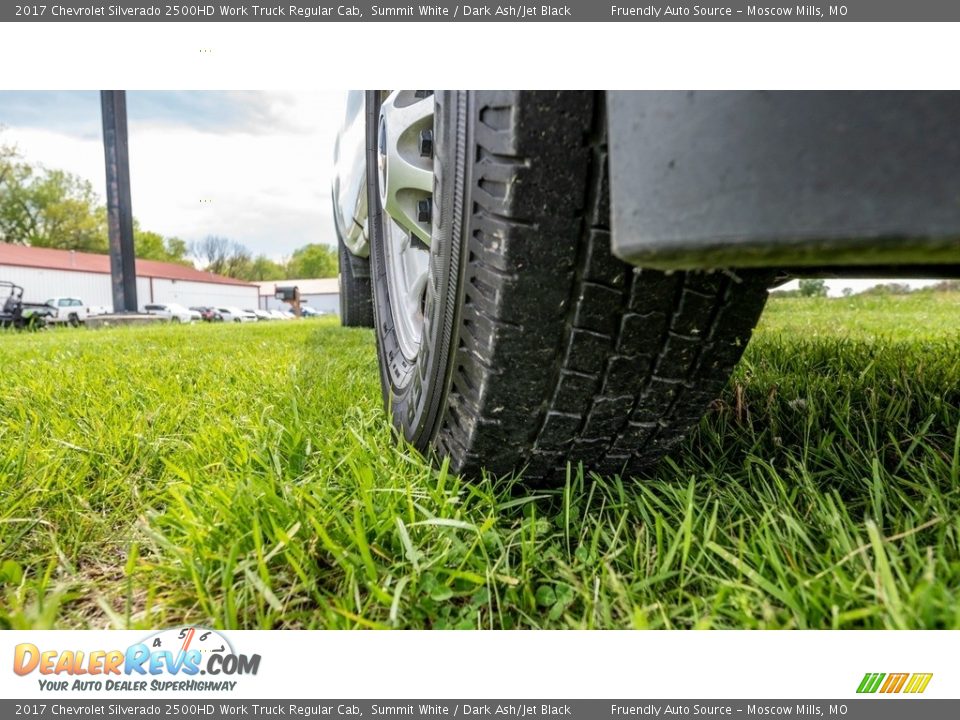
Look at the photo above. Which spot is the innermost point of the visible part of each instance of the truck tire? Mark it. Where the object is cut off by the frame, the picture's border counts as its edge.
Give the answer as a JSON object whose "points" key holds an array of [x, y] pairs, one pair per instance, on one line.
{"points": [[537, 346], [356, 303]]}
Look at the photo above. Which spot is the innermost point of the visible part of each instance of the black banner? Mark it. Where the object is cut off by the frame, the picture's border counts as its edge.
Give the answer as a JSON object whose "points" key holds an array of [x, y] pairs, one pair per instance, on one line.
{"points": [[512, 11]]}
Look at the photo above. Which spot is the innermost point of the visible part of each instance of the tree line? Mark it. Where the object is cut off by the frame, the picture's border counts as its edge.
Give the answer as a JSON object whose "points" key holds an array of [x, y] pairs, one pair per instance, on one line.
{"points": [[45, 207], [816, 287]]}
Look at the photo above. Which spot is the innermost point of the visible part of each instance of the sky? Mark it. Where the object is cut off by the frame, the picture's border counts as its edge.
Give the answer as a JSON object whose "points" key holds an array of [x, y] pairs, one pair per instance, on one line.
{"points": [[251, 166]]}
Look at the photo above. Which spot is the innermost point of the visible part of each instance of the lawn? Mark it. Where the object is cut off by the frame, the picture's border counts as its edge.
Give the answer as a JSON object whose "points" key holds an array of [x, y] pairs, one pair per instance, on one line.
{"points": [[246, 477]]}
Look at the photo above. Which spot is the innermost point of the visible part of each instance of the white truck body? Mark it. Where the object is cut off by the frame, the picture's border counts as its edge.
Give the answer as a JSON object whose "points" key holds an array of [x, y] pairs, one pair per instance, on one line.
{"points": [[72, 310]]}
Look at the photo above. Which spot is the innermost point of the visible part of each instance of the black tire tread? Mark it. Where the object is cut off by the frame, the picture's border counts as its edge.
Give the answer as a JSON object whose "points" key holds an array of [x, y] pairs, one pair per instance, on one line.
{"points": [[356, 301], [565, 352]]}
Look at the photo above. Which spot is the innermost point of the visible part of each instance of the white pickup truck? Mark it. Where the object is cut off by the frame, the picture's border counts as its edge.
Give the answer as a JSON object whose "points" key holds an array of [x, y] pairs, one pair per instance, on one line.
{"points": [[72, 311]]}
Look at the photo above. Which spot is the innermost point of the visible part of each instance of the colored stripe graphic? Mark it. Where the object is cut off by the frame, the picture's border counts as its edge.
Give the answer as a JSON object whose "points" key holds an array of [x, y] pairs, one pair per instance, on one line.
{"points": [[894, 683], [918, 682], [870, 682]]}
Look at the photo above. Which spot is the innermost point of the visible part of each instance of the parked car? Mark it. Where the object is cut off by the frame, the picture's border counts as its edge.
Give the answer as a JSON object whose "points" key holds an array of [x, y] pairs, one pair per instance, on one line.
{"points": [[71, 311], [260, 314], [207, 313], [572, 276], [172, 312], [307, 311], [231, 313], [280, 315]]}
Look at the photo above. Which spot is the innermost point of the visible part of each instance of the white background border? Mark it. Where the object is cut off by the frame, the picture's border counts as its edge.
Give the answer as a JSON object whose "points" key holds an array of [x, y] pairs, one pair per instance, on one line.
{"points": [[551, 55], [625, 55], [544, 664]]}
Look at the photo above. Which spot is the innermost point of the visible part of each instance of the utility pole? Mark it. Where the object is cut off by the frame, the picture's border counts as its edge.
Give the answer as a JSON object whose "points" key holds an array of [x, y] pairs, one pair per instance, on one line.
{"points": [[123, 270]]}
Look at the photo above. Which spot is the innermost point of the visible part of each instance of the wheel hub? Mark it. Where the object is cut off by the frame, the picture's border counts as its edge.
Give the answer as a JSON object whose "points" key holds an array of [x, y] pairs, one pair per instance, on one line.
{"points": [[405, 185]]}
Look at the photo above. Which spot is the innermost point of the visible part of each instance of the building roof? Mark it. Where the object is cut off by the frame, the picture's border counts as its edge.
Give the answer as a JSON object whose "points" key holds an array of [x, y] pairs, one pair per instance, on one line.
{"points": [[51, 259], [308, 286]]}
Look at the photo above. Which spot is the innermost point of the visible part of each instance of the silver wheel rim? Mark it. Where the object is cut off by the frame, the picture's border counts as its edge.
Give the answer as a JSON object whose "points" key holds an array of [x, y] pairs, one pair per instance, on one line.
{"points": [[405, 184]]}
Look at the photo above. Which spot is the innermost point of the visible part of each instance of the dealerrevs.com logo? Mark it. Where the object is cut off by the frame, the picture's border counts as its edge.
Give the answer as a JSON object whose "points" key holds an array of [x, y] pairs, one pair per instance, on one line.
{"points": [[887, 683], [170, 660]]}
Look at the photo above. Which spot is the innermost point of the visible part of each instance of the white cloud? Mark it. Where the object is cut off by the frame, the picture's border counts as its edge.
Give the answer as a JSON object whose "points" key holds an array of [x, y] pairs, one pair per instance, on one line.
{"points": [[266, 180]]}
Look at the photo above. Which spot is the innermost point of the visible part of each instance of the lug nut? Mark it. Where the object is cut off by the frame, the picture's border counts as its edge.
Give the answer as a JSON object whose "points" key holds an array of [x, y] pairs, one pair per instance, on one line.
{"points": [[424, 210], [426, 143]]}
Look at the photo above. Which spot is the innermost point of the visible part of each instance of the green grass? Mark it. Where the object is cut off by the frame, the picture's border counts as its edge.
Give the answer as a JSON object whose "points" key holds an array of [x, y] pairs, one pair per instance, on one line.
{"points": [[246, 477]]}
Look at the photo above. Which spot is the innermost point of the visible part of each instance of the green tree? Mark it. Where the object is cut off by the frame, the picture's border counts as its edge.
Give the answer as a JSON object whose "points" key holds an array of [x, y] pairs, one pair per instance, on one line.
{"points": [[154, 246], [313, 261], [945, 286], [15, 210], [222, 256], [48, 208], [263, 268], [57, 209], [177, 248], [888, 289], [813, 287]]}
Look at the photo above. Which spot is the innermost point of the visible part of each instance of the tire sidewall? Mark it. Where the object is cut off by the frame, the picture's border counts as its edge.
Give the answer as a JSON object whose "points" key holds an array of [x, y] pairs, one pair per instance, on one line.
{"points": [[414, 390]]}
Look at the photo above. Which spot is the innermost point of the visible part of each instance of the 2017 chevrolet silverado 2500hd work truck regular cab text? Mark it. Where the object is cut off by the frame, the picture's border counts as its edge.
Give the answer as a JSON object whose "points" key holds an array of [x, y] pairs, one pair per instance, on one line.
{"points": [[572, 276]]}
